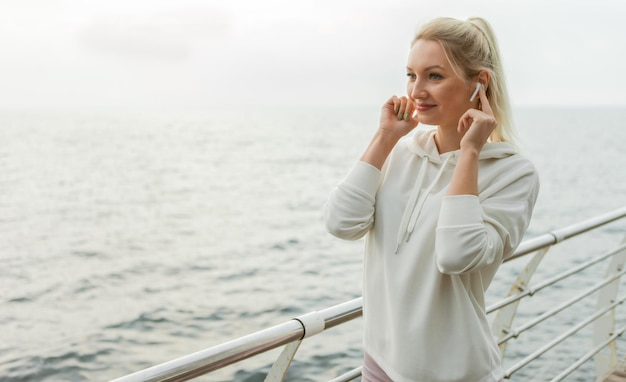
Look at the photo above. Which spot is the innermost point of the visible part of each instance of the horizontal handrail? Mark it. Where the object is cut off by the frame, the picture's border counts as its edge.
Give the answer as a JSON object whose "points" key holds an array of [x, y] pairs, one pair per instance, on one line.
{"points": [[552, 312], [556, 236], [565, 335], [586, 357], [216, 357], [349, 376], [530, 291]]}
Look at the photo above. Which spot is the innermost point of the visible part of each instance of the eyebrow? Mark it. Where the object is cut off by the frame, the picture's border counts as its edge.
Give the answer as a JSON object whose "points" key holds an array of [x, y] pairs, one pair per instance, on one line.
{"points": [[429, 68]]}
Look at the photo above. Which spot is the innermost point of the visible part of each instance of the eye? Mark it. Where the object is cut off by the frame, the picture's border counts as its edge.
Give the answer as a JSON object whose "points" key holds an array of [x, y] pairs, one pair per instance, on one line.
{"points": [[435, 76], [411, 76]]}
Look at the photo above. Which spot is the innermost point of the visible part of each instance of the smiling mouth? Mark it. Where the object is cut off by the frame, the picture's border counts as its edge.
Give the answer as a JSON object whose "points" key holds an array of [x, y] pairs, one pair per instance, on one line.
{"points": [[424, 107]]}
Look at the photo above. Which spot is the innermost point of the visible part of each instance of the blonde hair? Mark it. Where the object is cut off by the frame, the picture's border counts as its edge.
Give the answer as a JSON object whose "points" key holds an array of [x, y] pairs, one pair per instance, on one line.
{"points": [[471, 47]]}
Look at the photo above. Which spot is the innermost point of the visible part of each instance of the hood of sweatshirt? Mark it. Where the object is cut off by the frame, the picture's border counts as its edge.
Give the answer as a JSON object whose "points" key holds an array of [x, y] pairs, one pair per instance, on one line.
{"points": [[422, 144]]}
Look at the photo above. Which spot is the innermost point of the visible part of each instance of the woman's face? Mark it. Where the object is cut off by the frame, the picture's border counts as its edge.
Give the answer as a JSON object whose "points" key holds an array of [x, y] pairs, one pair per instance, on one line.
{"points": [[441, 96]]}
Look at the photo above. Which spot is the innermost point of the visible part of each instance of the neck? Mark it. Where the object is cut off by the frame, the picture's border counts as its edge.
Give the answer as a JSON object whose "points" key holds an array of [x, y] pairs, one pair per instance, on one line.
{"points": [[447, 139]]}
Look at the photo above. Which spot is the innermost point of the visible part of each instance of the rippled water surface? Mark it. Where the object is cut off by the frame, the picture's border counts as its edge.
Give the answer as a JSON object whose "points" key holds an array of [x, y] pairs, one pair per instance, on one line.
{"points": [[127, 241]]}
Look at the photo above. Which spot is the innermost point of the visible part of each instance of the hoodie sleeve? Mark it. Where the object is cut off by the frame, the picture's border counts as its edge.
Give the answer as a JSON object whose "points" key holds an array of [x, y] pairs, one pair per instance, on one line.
{"points": [[473, 233], [349, 212]]}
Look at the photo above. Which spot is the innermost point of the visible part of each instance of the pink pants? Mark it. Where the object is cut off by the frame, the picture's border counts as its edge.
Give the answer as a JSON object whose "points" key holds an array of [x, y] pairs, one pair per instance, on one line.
{"points": [[373, 373]]}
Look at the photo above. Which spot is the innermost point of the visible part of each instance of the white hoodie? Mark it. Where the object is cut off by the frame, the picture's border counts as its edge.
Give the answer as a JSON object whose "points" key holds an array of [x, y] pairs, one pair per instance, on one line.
{"points": [[429, 258]]}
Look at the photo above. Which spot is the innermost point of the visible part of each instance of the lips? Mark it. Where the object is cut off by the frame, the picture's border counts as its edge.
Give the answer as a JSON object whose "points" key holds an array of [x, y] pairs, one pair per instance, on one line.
{"points": [[422, 107]]}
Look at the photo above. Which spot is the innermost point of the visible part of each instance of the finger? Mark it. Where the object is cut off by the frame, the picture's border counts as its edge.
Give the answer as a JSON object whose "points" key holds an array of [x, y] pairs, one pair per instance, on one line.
{"points": [[394, 103], [486, 107], [411, 114], [469, 118], [402, 108], [464, 122], [409, 110]]}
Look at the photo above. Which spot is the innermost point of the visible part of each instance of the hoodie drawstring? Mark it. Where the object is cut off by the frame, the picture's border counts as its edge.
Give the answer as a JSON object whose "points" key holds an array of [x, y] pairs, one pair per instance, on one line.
{"points": [[415, 204]]}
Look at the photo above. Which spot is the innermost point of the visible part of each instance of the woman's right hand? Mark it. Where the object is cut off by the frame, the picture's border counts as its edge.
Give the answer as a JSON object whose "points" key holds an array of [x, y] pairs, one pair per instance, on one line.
{"points": [[398, 117]]}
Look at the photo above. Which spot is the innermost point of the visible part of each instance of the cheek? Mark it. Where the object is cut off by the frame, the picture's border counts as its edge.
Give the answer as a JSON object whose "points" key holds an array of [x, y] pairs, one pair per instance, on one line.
{"points": [[448, 97], [458, 96], [455, 102], [409, 88]]}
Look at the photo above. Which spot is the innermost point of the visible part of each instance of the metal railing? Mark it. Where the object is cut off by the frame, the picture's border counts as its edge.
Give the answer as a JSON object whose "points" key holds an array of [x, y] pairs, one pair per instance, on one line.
{"points": [[290, 334]]}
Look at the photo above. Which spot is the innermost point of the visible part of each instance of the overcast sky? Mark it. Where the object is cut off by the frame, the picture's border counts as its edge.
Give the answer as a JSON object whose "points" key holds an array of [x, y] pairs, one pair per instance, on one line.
{"points": [[199, 54]]}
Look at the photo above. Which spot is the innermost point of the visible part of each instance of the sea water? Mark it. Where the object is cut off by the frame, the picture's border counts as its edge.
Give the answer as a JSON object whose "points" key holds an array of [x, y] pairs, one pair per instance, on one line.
{"points": [[131, 240]]}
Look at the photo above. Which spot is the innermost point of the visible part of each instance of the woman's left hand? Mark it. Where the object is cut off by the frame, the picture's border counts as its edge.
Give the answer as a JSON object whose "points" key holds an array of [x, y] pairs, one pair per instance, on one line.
{"points": [[477, 125]]}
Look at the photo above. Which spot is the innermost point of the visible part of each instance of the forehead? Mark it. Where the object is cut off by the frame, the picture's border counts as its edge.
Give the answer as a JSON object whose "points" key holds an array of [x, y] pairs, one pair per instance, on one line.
{"points": [[427, 53]]}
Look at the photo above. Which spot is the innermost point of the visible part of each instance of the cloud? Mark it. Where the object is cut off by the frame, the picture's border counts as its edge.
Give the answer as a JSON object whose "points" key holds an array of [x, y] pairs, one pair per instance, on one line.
{"points": [[158, 52], [163, 36]]}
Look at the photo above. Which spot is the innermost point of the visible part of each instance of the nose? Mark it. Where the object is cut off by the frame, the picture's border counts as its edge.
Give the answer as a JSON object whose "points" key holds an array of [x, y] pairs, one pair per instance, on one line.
{"points": [[416, 89]]}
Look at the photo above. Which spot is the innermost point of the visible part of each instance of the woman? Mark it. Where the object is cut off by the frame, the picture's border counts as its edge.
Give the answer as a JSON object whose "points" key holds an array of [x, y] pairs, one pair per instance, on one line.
{"points": [[441, 209]]}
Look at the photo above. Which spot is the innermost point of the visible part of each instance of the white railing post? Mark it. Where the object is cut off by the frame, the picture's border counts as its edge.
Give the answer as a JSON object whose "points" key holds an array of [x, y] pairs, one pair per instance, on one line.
{"points": [[279, 370], [312, 323], [604, 327], [504, 319]]}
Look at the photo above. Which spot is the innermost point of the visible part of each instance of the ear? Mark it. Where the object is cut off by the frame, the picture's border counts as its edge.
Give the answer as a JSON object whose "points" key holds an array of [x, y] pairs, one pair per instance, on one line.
{"points": [[484, 77]]}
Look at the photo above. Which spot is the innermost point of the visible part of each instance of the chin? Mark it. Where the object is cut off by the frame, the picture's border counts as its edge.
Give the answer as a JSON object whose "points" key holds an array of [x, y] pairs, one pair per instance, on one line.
{"points": [[423, 120]]}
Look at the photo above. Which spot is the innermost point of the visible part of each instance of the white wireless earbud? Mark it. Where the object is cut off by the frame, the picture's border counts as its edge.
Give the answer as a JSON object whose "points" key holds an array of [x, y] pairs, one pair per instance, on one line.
{"points": [[478, 85]]}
